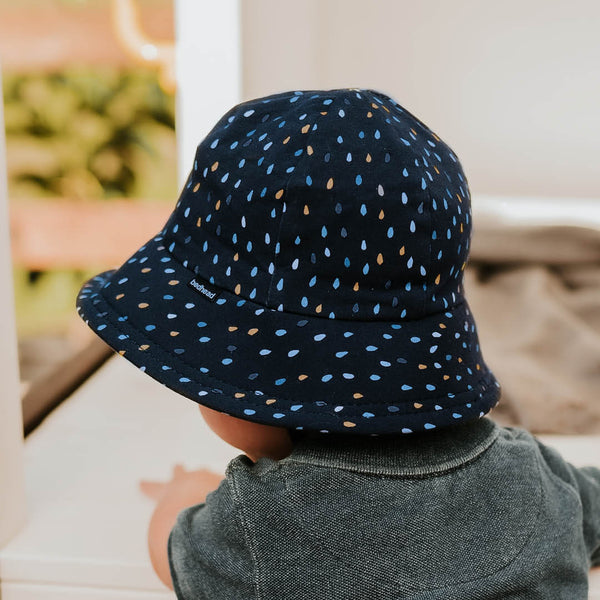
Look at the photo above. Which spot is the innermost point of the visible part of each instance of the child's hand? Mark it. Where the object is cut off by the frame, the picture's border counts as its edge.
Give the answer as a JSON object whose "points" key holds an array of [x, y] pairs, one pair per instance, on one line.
{"points": [[186, 488], [190, 485]]}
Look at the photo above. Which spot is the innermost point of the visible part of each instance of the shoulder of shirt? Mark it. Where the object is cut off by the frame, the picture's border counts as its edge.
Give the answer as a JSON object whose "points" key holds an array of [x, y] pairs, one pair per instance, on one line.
{"points": [[549, 459]]}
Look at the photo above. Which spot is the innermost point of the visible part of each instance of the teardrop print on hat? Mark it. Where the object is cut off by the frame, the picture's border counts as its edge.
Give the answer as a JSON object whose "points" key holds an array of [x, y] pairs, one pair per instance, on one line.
{"points": [[310, 275]]}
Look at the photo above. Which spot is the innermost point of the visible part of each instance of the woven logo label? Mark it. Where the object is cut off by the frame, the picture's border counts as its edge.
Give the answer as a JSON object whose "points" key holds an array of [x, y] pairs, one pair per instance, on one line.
{"points": [[203, 287]]}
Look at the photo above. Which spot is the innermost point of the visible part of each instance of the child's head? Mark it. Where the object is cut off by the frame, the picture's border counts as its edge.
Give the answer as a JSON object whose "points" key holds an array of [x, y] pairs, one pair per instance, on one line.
{"points": [[310, 275]]}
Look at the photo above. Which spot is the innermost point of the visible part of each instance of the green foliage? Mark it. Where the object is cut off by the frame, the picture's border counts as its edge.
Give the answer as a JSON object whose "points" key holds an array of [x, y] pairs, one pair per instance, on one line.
{"points": [[89, 133], [45, 301], [84, 133]]}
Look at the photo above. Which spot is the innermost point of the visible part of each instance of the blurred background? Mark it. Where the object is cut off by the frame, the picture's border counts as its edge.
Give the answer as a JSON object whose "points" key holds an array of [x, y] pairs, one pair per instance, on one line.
{"points": [[94, 164], [90, 147]]}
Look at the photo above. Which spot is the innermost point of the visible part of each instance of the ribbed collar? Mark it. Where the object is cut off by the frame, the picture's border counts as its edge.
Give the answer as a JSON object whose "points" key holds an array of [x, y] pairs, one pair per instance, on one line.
{"points": [[402, 454]]}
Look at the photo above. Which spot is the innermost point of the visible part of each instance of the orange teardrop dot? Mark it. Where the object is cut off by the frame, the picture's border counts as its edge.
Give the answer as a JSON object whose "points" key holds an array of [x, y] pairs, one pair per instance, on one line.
{"points": [[446, 377], [380, 259], [381, 214], [319, 308], [357, 395], [239, 394], [302, 377], [214, 166], [143, 305], [375, 106], [232, 328], [287, 139], [146, 270], [236, 256], [309, 150], [413, 131], [368, 159], [174, 333], [478, 367], [349, 424], [306, 209], [306, 128], [237, 289], [174, 282], [119, 296], [417, 405], [196, 187], [270, 400], [199, 222], [144, 347], [402, 251], [422, 366], [252, 331], [121, 352], [218, 205], [437, 279], [369, 115], [330, 183], [459, 359], [279, 194], [355, 288]]}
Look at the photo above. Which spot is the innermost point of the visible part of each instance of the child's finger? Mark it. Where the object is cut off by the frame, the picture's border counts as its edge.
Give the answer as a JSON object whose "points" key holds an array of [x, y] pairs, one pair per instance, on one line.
{"points": [[152, 489]]}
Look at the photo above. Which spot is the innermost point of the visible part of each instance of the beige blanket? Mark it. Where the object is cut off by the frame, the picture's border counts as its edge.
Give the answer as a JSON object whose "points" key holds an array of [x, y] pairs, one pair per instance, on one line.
{"points": [[535, 294]]}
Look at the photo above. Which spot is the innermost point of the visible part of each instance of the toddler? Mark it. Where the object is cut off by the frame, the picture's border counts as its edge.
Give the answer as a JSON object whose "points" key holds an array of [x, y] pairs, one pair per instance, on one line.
{"points": [[307, 292]]}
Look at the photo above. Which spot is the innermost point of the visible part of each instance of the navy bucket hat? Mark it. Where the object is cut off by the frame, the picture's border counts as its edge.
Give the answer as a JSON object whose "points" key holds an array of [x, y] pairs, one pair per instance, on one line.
{"points": [[311, 273]]}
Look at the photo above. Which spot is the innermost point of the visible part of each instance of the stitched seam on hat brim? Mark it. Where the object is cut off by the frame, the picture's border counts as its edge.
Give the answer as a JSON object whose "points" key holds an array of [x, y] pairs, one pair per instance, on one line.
{"points": [[178, 361], [167, 238]]}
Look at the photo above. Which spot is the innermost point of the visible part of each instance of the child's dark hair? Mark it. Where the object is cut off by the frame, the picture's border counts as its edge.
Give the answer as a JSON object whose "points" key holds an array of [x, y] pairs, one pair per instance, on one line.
{"points": [[297, 434]]}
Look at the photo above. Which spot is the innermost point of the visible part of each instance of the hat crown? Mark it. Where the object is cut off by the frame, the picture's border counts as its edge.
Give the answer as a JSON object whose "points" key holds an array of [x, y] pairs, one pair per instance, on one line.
{"points": [[336, 226], [332, 203]]}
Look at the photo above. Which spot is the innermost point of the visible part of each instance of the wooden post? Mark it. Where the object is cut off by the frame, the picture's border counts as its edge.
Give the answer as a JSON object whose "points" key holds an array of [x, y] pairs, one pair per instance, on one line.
{"points": [[12, 475], [207, 70]]}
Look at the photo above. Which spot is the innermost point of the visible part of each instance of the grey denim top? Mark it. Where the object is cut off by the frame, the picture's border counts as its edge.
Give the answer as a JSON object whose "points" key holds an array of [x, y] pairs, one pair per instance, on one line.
{"points": [[472, 512]]}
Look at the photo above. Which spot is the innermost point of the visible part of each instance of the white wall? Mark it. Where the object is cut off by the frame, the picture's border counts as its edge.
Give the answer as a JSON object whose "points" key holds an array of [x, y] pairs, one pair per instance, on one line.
{"points": [[512, 86], [207, 70]]}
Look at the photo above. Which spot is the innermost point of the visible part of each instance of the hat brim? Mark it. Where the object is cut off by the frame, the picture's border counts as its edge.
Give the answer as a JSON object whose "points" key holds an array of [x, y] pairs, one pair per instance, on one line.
{"points": [[287, 369]]}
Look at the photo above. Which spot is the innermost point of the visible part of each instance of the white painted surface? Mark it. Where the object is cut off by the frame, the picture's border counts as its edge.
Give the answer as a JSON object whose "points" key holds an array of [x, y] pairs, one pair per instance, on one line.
{"points": [[88, 520], [12, 484], [207, 69], [21, 591], [537, 210]]}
